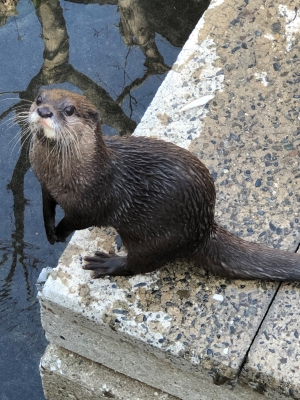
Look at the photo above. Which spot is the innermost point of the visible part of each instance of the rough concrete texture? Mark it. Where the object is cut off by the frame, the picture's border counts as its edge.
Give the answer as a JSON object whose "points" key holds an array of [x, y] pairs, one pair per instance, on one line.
{"points": [[251, 138], [62, 370], [273, 364], [66, 375], [192, 82], [174, 324], [232, 98]]}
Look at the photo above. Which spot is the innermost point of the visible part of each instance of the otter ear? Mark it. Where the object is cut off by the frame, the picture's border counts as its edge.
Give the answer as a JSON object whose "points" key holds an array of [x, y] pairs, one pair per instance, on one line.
{"points": [[94, 115]]}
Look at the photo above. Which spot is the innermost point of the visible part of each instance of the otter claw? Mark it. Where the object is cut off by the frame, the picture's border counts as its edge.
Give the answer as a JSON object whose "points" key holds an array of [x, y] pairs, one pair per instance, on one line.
{"points": [[51, 236], [103, 264]]}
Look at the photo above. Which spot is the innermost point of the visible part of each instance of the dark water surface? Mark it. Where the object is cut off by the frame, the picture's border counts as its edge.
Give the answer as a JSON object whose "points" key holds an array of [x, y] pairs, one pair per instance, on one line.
{"points": [[115, 52]]}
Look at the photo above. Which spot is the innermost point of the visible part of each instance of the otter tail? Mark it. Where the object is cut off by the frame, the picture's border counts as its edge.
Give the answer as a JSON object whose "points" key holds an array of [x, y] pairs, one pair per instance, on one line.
{"points": [[230, 256]]}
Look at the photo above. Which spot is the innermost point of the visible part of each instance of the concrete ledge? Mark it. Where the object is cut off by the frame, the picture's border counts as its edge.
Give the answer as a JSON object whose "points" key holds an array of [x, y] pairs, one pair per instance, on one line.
{"points": [[232, 99], [181, 330], [67, 375]]}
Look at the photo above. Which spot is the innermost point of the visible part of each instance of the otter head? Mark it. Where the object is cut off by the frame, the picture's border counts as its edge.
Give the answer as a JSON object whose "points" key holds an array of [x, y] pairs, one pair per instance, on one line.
{"points": [[59, 115]]}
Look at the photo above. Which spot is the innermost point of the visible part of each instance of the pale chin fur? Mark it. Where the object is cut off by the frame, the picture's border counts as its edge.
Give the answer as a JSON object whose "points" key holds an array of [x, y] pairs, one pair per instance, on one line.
{"points": [[47, 124]]}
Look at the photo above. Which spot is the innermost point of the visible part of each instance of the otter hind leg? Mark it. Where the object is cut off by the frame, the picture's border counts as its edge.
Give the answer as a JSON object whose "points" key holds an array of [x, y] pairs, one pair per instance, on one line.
{"points": [[104, 264]]}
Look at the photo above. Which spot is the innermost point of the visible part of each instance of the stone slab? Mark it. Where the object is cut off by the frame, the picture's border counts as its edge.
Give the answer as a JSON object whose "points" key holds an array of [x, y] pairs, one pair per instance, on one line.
{"points": [[170, 326], [67, 375]]}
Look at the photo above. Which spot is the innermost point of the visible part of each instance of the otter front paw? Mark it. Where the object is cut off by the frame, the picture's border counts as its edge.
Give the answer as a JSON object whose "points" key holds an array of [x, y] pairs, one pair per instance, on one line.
{"points": [[62, 232], [103, 264], [61, 238], [51, 235], [54, 235]]}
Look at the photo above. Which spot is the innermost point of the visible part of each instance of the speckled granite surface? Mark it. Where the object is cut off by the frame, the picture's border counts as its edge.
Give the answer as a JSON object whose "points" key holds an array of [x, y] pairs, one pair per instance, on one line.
{"points": [[273, 365], [233, 99], [174, 323], [251, 138]]}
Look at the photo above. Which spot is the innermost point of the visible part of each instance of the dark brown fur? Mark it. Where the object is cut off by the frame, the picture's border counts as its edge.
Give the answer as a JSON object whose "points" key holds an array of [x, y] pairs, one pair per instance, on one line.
{"points": [[159, 197]]}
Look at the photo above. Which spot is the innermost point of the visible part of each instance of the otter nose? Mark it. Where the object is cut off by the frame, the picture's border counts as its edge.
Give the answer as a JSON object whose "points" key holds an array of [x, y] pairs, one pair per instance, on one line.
{"points": [[44, 112]]}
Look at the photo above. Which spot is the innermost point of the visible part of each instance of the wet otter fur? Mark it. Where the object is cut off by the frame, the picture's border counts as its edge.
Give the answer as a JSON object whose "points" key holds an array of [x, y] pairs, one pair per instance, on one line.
{"points": [[159, 197]]}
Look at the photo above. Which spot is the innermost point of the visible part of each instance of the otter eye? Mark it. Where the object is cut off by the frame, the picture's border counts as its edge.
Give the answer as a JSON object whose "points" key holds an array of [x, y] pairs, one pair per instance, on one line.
{"points": [[69, 110], [38, 100]]}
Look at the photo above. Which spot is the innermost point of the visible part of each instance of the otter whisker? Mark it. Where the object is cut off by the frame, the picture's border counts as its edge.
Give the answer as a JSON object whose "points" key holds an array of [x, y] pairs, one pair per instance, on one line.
{"points": [[63, 149], [25, 129], [68, 142], [23, 139], [14, 121], [74, 141], [60, 147], [13, 98], [22, 114], [17, 108], [71, 148], [20, 108], [18, 136]]}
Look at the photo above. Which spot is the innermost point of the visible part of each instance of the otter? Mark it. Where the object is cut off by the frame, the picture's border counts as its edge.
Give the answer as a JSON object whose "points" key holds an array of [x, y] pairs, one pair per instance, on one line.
{"points": [[159, 197]]}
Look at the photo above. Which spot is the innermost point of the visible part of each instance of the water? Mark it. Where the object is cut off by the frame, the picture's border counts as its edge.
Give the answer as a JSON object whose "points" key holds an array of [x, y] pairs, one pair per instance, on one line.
{"points": [[115, 52]]}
